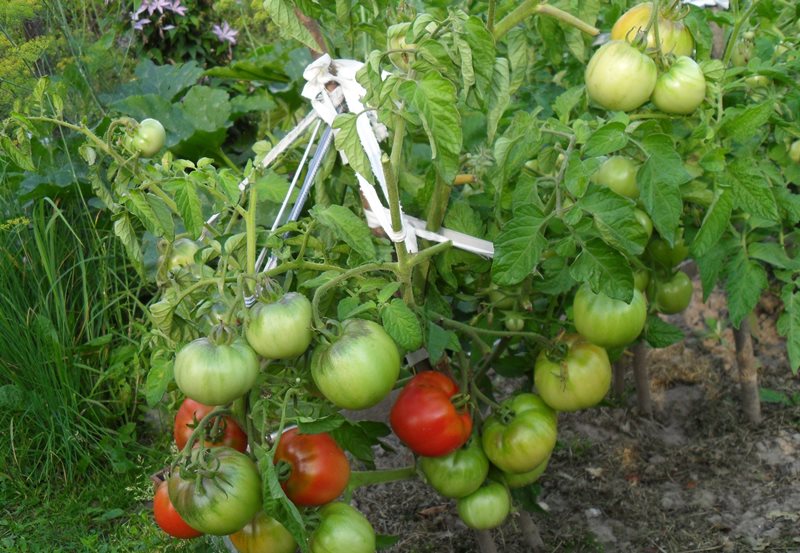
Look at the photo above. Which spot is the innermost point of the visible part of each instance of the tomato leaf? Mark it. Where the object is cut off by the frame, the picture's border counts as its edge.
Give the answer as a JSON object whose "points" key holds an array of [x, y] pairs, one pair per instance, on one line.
{"points": [[517, 49], [518, 143], [714, 223], [607, 139], [710, 266], [359, 437], [320, 424], [440, 340], [499, 96], [434, 99], [124, 230], [481, 44], [158, 378], [568, 100], [614, 219], [188, 201], [136, 201], [746, 279], [741, 124], [348, 227], [285, 19], [660, 334], [605, 269], [348, 141], [519, 246], [789, 324], [402, 325], [751, 191], [659, 181]]}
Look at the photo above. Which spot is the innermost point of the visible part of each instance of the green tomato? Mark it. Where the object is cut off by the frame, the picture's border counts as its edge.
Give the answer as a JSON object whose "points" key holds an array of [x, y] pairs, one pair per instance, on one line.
{"points": [[359, 368], [578, 381], [180, 254], [215, 374], [513, 321], [608, 322], [619, 174], [282, 329], [148, 138], [524, 478], [794, 151], [665, 256], [641, 278], [342, 529], [227, 497], [263, 534], [619, 77], [682, 89], [673, 35], [674, 295], [743, 50], [521, 434], [459, 473], [645, 221], [485, 508]]}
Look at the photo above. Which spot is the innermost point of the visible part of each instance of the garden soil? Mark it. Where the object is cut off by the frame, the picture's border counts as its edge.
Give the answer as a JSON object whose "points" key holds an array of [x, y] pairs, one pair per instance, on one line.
{"points": [[693, 478]]}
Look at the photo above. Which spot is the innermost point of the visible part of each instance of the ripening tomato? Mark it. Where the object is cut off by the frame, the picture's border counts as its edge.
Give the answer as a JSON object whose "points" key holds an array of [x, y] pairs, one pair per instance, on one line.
{"points": [[458, 473], [281, 329], [359, 367], [342, 529], [619, 174], [608, 322], [425, 418], [148, 138], [620, 77], [681, 89], [794, 151], [674, 295], [318, 468], [579, 380], [216, 373], [228, 433], [485, 508], [521, 434], [225, 499], [168, 518], [675, 38], [263, 534]]}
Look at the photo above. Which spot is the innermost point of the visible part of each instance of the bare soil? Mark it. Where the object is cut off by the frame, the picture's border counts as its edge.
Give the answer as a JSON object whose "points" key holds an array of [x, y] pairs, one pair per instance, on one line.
{"points": [[694, 478]]}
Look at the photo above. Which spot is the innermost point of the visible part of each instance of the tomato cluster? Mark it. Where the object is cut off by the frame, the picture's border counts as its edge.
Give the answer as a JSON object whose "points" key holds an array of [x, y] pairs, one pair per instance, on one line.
{"points": [[622, 77]]}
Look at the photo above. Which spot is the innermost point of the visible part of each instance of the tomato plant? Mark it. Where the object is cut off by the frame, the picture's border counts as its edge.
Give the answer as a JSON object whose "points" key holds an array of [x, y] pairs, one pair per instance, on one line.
{"points": [[485, 508], [579, 379], [675, 294], [521, 434], [168, 518], [619, 174], [673, 36], [425, 418], [620, 77], [220, 498], [215, 373], [342, 528], [458, 473], [263, 534], [280, 329], [681, 89], [608, 322], [317, 468], [357, 368], [222, 432]]}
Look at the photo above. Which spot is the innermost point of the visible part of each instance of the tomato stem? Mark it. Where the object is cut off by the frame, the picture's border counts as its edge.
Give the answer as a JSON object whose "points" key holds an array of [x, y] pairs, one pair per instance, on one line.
{"points": [[199, 431], [404, 269], [534, 7], [478, 394], [335, 281]]}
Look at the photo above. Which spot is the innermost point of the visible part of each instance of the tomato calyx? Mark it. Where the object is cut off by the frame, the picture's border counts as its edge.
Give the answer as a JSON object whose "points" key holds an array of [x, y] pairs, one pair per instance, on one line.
{"points": [[201, 433], [331, 331], [460, 401], [283, 470], [222, 334]]}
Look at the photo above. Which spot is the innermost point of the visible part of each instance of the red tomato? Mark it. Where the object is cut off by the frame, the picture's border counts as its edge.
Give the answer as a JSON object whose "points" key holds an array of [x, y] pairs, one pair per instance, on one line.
{"points": [[319, 470], [168, 518], [426, 420], [228, 433]]}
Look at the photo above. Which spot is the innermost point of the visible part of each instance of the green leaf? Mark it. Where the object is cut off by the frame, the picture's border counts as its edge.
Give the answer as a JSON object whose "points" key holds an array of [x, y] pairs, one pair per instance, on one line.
{"points": [[714, 223], [710, 266], [348, 141], [188, 201], [434, 99], [605, 269], [159, 377], [249, 70], [288, 25], [774, 254], [124, 230], [383, 541], [388, 291], [660, 334], [499, 96], [743, 124], [440, 340], [352, 306], [165, 81], [569, 100], [316, 425], [402, 325], [143, 210], [348, 227], [482, 48], [517, 49], [209, 108], [607, 139], [659, 180], [746, 280], [751, 190], [462, 218], [20, 158], [614, 219], [359, 437], [518, 246], [789, 324]]}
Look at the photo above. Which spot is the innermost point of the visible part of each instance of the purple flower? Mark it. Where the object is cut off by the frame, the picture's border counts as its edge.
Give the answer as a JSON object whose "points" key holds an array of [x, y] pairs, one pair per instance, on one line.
{"points": [[177, 8], [139, 24], [225, 33]]}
